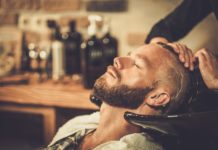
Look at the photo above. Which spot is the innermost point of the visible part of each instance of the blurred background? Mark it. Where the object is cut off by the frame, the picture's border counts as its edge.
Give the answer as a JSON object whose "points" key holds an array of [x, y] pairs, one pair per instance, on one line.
{"points": [[51, 52]]}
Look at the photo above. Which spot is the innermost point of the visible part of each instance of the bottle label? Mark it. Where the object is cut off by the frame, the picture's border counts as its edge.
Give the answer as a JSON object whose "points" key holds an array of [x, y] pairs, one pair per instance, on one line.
{"points": [[96, 56], [72, 58], [110, 52], [71, 46]]}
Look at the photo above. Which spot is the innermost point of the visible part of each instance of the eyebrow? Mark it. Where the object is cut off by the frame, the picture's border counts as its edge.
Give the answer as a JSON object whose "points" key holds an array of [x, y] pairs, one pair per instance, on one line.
{"points": [[129, 53], [137, 55], [143, 58]]}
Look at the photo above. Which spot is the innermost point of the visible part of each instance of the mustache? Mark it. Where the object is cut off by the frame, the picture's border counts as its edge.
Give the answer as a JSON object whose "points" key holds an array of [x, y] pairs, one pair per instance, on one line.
{"points": [[112, 70]]}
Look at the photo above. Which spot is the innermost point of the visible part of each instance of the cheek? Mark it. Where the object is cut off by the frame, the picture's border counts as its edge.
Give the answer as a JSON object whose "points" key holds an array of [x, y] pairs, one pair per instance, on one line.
{"points": [[134, 79]]}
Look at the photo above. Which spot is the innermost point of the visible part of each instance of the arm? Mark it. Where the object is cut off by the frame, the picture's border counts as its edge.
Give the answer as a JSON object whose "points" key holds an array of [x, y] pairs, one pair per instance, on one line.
{"points": [[179, 22]]}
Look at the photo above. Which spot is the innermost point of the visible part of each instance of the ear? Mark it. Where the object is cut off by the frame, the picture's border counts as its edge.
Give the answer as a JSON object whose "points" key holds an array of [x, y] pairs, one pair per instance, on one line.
{"points": [[158, 97]]}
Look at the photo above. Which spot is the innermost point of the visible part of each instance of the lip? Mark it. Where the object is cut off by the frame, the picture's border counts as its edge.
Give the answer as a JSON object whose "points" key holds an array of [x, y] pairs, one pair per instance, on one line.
{"points": [[113, 72]]}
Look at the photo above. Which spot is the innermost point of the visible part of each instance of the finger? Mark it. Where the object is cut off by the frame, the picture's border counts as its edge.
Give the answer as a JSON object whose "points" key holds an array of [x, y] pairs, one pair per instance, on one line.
{"points": [[175, 47], [186, 55], [205, 53], [202, 60], [192, 56], [182, 56], [191, 59], [200, 55]]}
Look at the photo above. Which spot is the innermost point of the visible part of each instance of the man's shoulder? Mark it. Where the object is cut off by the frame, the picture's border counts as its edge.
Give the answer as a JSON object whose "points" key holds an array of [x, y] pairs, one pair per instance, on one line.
{"points": [[76, 124], [135, 141]]}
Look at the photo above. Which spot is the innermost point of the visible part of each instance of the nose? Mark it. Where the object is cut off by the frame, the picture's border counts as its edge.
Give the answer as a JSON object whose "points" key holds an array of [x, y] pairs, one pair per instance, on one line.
{"points": [[123, 62]]}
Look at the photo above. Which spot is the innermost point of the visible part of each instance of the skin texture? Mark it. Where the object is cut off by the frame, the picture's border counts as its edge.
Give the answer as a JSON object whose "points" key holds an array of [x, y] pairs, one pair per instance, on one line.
{"points": [[140, 69]]}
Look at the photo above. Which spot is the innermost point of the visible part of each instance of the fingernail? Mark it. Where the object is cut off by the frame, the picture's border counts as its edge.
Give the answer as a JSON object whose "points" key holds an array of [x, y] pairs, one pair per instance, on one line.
{"points": [[186, 64]]}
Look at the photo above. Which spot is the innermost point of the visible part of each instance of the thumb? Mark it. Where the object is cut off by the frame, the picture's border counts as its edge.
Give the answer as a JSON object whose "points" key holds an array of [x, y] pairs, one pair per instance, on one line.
{"points": [[201, 56], [202, 61]]}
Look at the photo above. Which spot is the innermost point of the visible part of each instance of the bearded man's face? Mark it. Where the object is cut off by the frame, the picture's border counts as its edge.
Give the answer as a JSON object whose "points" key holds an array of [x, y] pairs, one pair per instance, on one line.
{"points": [[119, 96], [130, 79]]}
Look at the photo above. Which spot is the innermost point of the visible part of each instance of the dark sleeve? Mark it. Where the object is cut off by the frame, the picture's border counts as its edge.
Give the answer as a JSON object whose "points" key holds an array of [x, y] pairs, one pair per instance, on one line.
{"points": [[179, 22]]}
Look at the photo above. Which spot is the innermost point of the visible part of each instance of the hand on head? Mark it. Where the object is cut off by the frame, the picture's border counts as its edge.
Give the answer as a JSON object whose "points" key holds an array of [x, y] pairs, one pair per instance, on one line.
{"points": [[208, 68], [186, 56], [207, 62]]}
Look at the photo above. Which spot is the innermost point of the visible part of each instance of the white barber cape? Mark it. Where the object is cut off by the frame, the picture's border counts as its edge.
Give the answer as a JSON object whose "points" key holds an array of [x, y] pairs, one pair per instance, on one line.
{"points": [[136, 141]]}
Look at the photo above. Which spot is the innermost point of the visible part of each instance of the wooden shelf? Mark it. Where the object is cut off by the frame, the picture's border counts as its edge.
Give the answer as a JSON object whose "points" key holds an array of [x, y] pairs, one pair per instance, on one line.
{"points": [[48, 94]]}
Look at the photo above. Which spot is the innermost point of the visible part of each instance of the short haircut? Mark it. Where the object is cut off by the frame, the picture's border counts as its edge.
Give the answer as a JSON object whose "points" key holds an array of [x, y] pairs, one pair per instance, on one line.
{"points": [[180, 79]]}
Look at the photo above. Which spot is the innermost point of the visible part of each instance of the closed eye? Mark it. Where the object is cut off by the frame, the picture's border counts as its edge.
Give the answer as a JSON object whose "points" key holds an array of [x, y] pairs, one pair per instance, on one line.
{"points": [[135, 64]]}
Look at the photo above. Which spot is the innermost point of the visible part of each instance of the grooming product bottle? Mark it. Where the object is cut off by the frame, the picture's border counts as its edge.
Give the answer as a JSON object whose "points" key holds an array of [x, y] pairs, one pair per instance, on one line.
{"points": [[92, 55], [57, 51], [109, 44], [72, 41], [34, 63], [45, 56], [25, 59], [34, 58]]}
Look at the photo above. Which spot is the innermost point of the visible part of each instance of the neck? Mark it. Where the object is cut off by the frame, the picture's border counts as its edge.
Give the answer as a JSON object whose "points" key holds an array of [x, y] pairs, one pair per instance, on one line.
{"points": [[112, 126], [112, 119]]}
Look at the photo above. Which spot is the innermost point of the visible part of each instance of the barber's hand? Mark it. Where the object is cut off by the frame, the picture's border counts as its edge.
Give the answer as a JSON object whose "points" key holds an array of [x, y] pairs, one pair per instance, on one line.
{"points": [[208, 68], [185, 54], [159, 39]]}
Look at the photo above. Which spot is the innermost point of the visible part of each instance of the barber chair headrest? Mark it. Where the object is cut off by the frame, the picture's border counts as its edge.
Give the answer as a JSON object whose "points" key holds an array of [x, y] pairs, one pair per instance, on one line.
{"points": [[204, 124], [95, 100]]}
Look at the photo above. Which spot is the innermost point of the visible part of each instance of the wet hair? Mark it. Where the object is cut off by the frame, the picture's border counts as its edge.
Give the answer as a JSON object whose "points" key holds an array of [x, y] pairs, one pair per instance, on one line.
{"points": [[179, 79]]}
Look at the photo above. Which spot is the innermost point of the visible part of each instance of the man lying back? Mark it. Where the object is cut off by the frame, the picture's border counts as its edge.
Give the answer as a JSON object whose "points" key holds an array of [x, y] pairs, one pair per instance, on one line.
{"points": [[149, 81]]}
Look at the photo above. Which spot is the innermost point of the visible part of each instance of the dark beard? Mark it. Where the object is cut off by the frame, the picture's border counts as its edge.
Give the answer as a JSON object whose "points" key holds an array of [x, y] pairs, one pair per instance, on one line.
{"points": [[120, 96]]}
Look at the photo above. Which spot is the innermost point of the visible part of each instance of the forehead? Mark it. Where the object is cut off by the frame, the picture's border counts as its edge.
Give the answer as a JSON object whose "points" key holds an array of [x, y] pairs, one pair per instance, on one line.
{"points": [[152, 51]]}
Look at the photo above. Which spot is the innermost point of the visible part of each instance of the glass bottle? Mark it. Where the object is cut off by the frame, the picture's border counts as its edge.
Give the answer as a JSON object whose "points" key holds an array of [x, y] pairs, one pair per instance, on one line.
{"points": [[34, 63], [34, 58], [57, 50], [72, 41], [92, 56], [25, 59], [109, 44]]}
